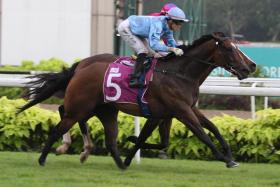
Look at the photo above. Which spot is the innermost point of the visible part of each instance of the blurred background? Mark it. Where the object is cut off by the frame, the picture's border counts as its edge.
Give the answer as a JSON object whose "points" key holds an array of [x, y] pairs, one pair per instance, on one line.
{"points": [[47, 35], [74, 29]]}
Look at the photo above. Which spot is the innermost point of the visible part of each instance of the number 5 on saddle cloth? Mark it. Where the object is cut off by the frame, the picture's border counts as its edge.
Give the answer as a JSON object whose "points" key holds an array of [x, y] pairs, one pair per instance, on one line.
{"points": [[116, 79]]}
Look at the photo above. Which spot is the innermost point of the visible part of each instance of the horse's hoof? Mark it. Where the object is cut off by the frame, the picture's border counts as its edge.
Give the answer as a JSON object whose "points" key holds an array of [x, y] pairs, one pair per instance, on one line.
{"points": [[122, 167], [58, 152], [132, 139], [127, 162], [162, 154], [83, 156], [232, 164], [41, 162], [61, 149]]}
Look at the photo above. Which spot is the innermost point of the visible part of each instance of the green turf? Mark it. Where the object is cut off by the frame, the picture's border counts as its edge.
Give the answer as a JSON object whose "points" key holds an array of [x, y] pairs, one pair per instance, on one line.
{"points": [[21, 169]]}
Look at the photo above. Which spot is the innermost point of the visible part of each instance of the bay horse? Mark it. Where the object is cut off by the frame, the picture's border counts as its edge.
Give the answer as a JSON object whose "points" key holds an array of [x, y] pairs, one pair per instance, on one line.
{"points": [[164, 125], [172, 93]]}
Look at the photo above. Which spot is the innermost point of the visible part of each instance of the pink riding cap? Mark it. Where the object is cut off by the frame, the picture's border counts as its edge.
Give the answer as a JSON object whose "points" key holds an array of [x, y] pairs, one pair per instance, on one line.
{"points": [[164, 9]]}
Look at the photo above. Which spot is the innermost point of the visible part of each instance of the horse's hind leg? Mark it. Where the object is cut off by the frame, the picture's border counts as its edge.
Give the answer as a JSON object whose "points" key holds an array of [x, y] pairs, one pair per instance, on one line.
{"points": [[108, 117], [88, 145], [66, 139], [66, 142], [64, 125]]}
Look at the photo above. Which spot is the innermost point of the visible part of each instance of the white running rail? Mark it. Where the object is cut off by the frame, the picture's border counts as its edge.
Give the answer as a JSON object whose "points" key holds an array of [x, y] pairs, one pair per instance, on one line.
{"points": [[266, 87]]}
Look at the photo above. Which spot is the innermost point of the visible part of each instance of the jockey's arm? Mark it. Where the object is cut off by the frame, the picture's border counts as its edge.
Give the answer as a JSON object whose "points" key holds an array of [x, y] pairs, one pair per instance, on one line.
{"points": [[169, 38], [171, 43], [155, 37], [156, 45]]}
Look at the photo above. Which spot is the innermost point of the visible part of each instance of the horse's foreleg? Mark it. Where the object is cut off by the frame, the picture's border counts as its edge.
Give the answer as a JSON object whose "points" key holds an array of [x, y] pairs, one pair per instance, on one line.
{"points": [[164, 132], [64, 125], [108, 117], [212, 128], [147, 130], [88, 145], [189, 119]]}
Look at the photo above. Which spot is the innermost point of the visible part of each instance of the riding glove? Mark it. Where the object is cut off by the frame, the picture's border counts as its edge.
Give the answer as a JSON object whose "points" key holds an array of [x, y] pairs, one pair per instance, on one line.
{"points": [[177, 51]]}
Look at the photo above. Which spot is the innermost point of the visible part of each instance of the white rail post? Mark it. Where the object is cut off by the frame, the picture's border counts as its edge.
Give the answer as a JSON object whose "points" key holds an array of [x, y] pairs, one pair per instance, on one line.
{"points": [[265, 102], [253, 103], [136, 133]]}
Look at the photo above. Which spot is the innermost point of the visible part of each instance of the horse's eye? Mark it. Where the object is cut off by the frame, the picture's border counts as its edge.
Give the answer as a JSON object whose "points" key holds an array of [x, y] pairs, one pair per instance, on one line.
{"points": [[230, 49]]}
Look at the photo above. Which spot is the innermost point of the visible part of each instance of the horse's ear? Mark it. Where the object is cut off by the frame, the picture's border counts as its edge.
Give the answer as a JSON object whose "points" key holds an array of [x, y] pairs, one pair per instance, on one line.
{"points": [[218, 35]]}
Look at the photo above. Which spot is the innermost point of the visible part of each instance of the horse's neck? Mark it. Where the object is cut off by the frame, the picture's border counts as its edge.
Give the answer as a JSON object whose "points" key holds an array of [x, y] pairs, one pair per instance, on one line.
{"points": [[205, 75], [195, 69], [189, 66]]}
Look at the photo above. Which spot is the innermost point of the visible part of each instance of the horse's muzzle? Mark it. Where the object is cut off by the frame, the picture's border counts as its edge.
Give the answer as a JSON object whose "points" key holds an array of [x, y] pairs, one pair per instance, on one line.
{"points": [[243, 74], [252, 67]]}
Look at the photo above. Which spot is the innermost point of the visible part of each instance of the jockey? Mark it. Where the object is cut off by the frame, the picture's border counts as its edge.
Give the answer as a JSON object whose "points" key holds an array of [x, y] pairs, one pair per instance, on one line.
{"points": [[163, 12], [136, 29]]}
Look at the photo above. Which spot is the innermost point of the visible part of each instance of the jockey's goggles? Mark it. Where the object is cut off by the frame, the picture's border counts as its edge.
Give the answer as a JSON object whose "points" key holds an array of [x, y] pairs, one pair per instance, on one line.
{"points": [[178, 22]]}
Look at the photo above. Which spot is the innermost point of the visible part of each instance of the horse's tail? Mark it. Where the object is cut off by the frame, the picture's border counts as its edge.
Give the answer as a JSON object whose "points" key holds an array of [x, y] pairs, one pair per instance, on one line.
{"points": [[46, 84]]}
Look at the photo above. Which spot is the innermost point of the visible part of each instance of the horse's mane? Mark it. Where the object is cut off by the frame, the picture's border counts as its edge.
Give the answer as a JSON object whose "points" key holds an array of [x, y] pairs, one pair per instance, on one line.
{"points": [[200, 41], [195, 43], [186, 48]]}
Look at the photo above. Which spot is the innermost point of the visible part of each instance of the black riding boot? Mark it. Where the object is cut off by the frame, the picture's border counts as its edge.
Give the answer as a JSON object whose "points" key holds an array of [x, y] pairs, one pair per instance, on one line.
{"points": [[138, 69]]}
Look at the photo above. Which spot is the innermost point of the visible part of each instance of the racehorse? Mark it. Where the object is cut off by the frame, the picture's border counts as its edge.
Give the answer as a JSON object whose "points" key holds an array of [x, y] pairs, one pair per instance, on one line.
{"points": [[172, 93], [164, 125]]}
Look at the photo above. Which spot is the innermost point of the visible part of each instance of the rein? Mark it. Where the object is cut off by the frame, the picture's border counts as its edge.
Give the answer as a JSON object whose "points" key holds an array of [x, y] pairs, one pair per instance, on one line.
{"points": [[165, 72], [201, 61], [179, 75], [228, 67]]}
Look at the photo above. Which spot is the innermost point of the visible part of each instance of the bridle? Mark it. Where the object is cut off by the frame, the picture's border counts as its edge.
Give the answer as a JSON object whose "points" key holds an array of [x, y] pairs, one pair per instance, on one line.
{"points": [[229, 66]]}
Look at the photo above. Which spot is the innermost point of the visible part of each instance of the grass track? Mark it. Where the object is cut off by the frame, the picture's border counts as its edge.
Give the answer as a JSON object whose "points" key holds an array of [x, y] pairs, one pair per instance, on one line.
{"points": [[21, 169]]}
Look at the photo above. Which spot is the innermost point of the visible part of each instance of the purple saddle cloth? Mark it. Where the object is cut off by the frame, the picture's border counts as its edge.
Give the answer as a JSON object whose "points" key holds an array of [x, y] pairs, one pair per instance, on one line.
{"points": [[116, 79]]}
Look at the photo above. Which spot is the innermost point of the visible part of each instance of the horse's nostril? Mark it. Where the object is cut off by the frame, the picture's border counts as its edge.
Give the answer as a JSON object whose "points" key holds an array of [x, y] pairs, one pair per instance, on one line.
{"points": [[253, 67]]}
